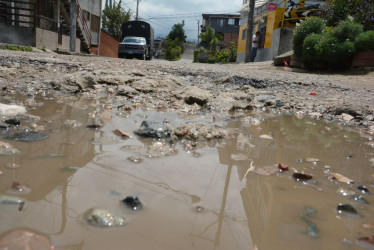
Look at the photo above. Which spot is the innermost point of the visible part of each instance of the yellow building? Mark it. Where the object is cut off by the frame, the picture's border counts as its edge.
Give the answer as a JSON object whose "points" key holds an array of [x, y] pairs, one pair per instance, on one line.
{"points": [[275, 20]]}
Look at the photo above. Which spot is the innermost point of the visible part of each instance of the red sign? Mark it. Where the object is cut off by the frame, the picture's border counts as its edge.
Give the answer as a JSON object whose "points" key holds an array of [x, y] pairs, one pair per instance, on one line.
{"points": [[272, 6]]}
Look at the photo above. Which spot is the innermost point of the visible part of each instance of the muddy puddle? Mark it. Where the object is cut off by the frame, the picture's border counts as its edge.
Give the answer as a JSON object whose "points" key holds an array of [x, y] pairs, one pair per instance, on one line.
{"points": [[195, 194]]}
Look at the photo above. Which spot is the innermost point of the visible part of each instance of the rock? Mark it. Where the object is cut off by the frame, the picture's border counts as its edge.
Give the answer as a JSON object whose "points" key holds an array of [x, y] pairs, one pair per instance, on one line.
{"points": [[266, 137], [78, 81], [133, 203], [27, 136], [346, 117], [267, 170], [11, 110], [146, 85], [279, 60], [196, 95], [7, 149], [315, 114], [369, 118], [265, 98], [223, 79], [238, 105], [126, 91], [366, 242], [359, 198], [345, 192], [340, 178], [363, 189], [13, 121], [301, 177], [93, 126], [25, 239], [347, 209], [103, 218], [152, 129], [283, 167]]}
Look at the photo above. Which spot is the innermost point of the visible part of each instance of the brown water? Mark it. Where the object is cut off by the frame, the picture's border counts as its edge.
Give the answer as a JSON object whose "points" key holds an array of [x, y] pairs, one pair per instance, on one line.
{"points": [[242, 209]]}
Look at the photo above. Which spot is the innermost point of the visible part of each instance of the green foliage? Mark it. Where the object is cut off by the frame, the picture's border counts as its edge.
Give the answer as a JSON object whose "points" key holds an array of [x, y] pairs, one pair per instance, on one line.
{"points": [[222, 56], [202, 55], [233, 50], [210, 38], [333, 52], [365, 41], [113, 18], [212, 60], [347, 30], [18, 48], [310, 45], [172, 50], [362, 12], [195, 52], [311, 25], [177, 34]]}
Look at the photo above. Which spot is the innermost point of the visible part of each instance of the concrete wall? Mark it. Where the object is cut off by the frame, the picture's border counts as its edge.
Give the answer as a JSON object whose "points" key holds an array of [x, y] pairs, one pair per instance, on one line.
{"points": [[49, 39], [17, 35], [108, 46], [92, 6]]}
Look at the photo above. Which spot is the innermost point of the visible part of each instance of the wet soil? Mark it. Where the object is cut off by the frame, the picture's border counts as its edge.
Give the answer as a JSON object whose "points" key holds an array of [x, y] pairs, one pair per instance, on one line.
{"points": [[199, 190]]}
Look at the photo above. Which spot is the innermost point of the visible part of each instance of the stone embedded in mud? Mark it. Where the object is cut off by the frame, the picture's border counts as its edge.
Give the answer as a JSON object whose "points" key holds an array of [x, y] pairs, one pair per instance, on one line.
{"points": [[25, 239], [7, 149], [12, 165], [133, 203], [301, 177], [73, 123], [340, 178], [124, 135], [366, 242], [27, 136], [267, 170], [360, 199], [283, 167], [12, 200], [238, 105], [18, 189], [135, 159], [13, 121], [363, 189], [93, 126], [103, 218], [266, 137], [152, 129], [196, 95], [345, 192], [11, 110], [347, 209]]}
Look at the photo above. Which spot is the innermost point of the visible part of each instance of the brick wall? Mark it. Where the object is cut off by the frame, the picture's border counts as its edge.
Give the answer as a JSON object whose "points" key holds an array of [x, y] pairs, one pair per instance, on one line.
{"points": [[229, 37], [108, 45]]}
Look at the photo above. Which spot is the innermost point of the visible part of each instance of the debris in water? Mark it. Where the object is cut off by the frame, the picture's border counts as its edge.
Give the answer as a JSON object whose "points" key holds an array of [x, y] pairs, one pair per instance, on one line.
{"points": [[347, 209], [122, 134], [103, 218], [363, 189], [27, 136], [267, 170], [345, 192], [266, 137], [73, 123], [366, 242], [12, 165], [312, 160], [11, 110], [283, 167], [7, 149], [93, 126], [312, 228], [368, 225], [25, 239], [340, 178], [302, 177], [18, 189], [133, 203], [69, 169], [349, 157], [199, 209], [153, 130], [359, 198], [328, 169], [12, 200], [135, 159]]}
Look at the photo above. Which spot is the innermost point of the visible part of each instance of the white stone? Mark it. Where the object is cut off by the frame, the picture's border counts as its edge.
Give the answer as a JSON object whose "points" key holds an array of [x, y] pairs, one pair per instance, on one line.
{"points": [[11, 110]]}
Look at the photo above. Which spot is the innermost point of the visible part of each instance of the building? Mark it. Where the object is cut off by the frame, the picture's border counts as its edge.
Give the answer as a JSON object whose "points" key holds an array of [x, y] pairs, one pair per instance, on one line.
{"points": [[51, 23], [225, 24], [275, 20]]}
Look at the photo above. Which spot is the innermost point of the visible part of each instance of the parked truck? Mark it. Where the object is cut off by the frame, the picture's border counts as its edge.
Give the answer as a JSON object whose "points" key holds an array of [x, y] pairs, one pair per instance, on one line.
{"points": [[137, 40]]}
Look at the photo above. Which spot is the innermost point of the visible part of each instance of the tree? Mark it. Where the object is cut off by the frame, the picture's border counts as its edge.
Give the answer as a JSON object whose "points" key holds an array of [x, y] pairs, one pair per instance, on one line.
{"points": [[210, 38], [113, 18], [177, 34]]}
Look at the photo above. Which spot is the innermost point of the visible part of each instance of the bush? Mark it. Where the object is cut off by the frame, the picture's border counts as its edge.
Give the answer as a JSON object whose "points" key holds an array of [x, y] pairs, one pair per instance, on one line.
{"points": [[18, 48], [202, 55], [310, 45], [222, 56], [333, 52], [212, 60], [311, 25], [347, 30], [365, 41], [233, 50], [174, 54], [195, 52]]}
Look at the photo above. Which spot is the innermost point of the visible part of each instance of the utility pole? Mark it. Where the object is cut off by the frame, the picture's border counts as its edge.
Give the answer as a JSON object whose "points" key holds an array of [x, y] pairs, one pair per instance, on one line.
{"points": [[248, 49], [198, 32], [73, 26], [137, 10]]}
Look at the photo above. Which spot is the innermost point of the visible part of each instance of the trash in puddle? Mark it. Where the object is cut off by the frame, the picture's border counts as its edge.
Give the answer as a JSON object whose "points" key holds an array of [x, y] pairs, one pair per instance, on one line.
{"points": [[103, 218]]}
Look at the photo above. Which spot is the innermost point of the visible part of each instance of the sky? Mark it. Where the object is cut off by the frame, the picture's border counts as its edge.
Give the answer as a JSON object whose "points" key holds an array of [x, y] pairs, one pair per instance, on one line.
{"points": [[163, 14]]}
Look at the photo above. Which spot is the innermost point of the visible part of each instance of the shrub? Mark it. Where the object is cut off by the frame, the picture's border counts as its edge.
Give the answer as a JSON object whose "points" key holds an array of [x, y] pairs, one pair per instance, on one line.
{"points": [[365, 41], [195, 52], [333, 52], [232, 52], [222, 56], [310, 45], [18, 48], [212, 60], [347, 30], [311, 25], [175, 53], [202, 55]]}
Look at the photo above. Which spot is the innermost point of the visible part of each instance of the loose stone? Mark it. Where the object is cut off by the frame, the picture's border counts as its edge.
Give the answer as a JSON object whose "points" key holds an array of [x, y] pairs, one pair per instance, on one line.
{"points": [[347, 209], [103, 218], [133, 203]]}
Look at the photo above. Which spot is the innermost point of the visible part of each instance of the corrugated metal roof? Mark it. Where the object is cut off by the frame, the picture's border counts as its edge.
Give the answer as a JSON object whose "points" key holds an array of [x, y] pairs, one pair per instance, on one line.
{"points": [[258, 3]]}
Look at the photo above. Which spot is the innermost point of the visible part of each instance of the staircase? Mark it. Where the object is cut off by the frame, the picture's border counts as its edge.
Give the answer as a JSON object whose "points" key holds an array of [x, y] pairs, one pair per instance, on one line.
{"points": [[83, 31]]}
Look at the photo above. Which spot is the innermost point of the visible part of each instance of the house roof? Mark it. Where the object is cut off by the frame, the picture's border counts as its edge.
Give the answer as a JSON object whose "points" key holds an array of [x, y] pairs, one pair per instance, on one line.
{"points": [[234, 16]]}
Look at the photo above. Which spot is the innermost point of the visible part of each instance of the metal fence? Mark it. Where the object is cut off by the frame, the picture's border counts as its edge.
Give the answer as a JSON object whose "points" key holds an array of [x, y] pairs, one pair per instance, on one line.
{"points": [[18, 13]]}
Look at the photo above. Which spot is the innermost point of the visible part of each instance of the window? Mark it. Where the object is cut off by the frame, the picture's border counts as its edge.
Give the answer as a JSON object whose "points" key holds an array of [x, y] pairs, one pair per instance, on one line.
{"points": [[95, 23], [45, 8], [220, 22], [86, 15], [244, 34], [231, 21]]}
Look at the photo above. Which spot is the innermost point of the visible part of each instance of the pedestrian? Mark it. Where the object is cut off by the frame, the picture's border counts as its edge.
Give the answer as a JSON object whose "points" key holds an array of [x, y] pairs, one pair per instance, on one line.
{"points": [[255, 44]]}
